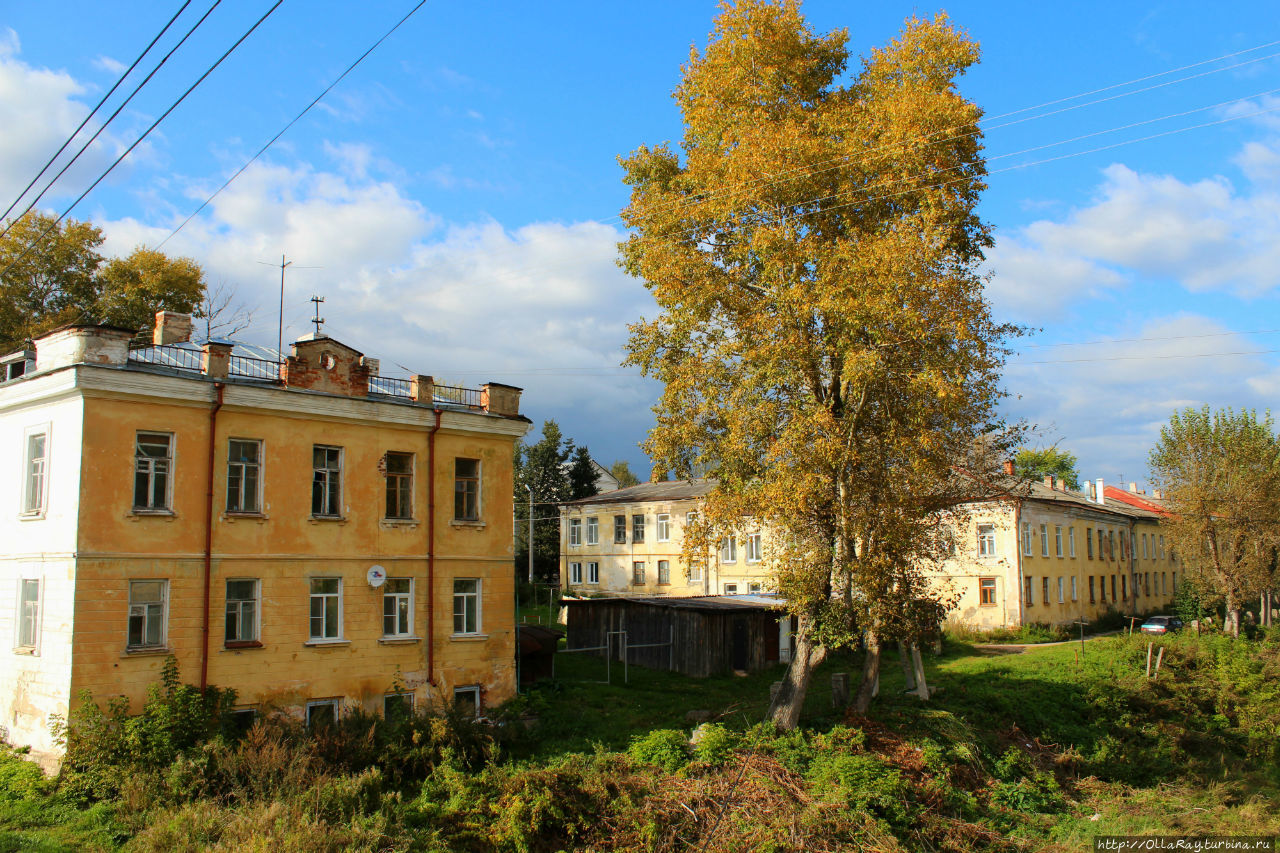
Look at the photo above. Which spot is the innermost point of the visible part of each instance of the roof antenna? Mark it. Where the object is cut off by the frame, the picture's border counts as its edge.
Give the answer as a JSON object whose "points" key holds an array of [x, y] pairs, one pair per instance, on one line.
{"points": [[280, 329], [318, 321]]}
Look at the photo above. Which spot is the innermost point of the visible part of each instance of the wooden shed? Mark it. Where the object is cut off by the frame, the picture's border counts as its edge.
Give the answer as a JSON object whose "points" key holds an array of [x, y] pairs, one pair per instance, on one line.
{"points": [[700, 636]]}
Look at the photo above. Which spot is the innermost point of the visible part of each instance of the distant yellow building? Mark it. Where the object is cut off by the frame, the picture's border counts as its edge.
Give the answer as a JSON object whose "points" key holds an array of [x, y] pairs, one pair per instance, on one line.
{"points": [[309, 533], [630, 542]]}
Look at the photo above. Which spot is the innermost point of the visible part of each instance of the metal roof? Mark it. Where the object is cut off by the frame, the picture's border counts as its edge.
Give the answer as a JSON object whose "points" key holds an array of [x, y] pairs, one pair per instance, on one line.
{"points": [[668, 490], [701, 603]]}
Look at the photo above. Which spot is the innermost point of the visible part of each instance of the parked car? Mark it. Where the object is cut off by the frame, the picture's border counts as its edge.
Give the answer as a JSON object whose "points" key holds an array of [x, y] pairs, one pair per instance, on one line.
{"points": [[1161, 625]]}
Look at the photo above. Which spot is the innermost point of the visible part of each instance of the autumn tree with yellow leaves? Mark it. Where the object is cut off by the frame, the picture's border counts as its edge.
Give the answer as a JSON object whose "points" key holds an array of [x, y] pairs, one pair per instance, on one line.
{"points": [[823, 340]]}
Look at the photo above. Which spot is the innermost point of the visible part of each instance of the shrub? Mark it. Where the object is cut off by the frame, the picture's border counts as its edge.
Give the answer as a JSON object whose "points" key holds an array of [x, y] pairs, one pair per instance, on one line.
{"points": [[864, 782], [665, 748], [20, 779], [715, 745], [1038, 793]]}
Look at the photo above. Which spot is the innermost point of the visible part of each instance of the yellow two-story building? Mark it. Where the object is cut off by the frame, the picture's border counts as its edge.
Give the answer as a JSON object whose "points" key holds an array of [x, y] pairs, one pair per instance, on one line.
{"points": [[305, 531]]}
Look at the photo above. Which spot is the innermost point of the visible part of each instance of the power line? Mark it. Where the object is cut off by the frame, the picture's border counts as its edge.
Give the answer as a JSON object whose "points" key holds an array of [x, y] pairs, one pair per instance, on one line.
{"points": [[145, 134], [292, 122], [1151, 357], [91, 114]]}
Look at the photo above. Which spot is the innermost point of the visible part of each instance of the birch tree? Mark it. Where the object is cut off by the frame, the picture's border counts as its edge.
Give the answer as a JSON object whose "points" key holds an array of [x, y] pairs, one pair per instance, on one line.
{"points": [[822, 338]]}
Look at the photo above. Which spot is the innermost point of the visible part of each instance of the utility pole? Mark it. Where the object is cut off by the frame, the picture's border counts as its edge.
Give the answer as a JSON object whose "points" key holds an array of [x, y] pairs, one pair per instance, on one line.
{"points": [[530, 490], [284, 264], [318, 321]]}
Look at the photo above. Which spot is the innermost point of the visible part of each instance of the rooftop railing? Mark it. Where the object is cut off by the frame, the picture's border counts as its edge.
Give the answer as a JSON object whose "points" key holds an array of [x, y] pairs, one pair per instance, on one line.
{"points": [[391, 387], [248, 367], [169, 355], [456, 395]]}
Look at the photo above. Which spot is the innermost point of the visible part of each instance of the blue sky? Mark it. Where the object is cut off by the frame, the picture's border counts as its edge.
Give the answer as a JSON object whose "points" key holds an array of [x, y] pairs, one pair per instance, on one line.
{"points": [[455, 199]]}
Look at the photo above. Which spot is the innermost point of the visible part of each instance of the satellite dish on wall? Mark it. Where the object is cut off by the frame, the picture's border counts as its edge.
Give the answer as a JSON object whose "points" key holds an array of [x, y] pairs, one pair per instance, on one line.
{"points": [[376, 576]]}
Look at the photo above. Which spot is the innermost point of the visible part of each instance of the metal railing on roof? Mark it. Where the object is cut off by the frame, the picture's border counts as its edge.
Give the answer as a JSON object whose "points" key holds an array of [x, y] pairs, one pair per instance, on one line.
{"points": [[169, 355], [472, 398], [248, 367], [391, 387]]}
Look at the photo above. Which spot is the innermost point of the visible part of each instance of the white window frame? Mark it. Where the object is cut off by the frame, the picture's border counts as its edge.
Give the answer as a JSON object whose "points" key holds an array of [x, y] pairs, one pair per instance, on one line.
{"points": [[312, 597], [664, 527], [1161, 552], [575, 532], [575, 573], [472, 691], [29, 474], [695, 573], [244, 466], [728, 550], [1060, 590], [593, 573], [406, 597], [1071, 544], [638, 523], [333, 482], [754, 548], [637, 572], [257, 610], [461, 596], [1044, 540], [143, 645], [406, 696], [139, 459], [731, 589], [986, 541], [1074, 592], [28, 615], [1026, 538], [593, 531], [314, 705], [1144, 546], [1057, 539], [754, 588], [664, 572]]}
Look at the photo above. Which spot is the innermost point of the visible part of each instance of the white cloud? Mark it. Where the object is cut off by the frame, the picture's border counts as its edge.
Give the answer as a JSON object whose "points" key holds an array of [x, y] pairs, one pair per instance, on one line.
{"points": [[109, 65]]}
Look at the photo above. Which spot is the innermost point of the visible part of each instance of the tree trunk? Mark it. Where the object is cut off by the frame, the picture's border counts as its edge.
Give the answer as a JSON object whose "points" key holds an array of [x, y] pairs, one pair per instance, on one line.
{"points": [[870, 673], [1232, 616], [922, 685], [908, 678], [784, 710]]}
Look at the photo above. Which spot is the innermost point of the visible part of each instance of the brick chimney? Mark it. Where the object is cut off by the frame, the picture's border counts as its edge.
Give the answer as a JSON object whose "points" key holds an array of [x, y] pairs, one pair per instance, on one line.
{"points": [[323, 364], [1008, 467], [1048, 481], [171, 328], [499, 399], [82, 345]]}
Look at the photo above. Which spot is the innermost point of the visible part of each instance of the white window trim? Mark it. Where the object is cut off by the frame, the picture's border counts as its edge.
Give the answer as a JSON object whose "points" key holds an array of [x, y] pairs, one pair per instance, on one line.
{"points": [[575, 533], [756, 540], [664, 527], [1044, 540], [313, 704], [988, 539], [257, 610], [24, 481], [478, 628], [413, 620], [729, 547], [1026, 539], [593, 530], [731, 589], [258, 488], [1071, 543], [472, 690], [593, 573], [409, 694], [695, 573], [164, 616], [575, 572], [34, 647], [1074, 591], [1057, 540], [660, 581], [167, 509], [1060, 591], [322, 640]]}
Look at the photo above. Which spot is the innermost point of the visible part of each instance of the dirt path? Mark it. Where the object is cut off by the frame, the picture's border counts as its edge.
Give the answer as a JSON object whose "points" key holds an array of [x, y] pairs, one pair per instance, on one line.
{"points": [[1019, 648]]}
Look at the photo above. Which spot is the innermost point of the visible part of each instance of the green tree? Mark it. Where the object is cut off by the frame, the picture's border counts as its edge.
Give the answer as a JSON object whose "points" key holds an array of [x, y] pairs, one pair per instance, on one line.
{"points": [[582, 475], [621, 472], [822, 337], [1220, 472], [541, 467], [1038, 463], [61, 278]]}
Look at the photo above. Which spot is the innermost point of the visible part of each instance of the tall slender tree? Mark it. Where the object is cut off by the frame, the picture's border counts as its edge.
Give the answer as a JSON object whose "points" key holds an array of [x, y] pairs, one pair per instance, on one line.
{"points": [[542, 467], [823, 341], [582, 474]]}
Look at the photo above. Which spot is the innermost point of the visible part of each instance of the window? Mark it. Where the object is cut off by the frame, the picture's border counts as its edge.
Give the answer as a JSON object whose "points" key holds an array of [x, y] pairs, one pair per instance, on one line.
{"points": [[1088, 541], [242, 719], [326, 481], [664, 528], [593, 531], [326, 608], [322, 712], [637, 572], [242, 611], [35, 484], [467, 700], [619, 530], [1146, 583], [1044, 583], [637, 528], [466, 489], [397, 607], [729, 550], [1028, 593], [575, 573], [593, 573], [1060, 598], [664, 571], [28, 613], [1175, 583], [1074, 595], [1092, 597], [1164, 586], [466, 606], [1133, 546], [1124, 590], [1111, 546], [1161, 551], [1044, 540], [987, 592], [244, 475], [153, 465], [575, 532], [1057, 539], [731, 589], [1071, 542], [1102, 584], [1026, 539], [148, 601], [1144, 546], [695, 573], [1113, 588], [986, 540], [754, 588], [399, 485], [397, 706], [753, 548]]}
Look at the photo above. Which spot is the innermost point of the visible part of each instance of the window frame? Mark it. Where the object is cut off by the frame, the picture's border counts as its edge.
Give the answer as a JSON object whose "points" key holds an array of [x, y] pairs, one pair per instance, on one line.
{"points": [[406, 697], [408, 598], [462, 596], [664, 573], [1057, 541], [312, 596], [472, 690], [755, 548], [730, 589], [315, 704], [1075, 592], [637, 572], [619, 530], [28, 615], [1044, 540], [729, 550], [1044, 585], [593, 530], [1088, 541], [332, 482], [41, 506], [170, 459], [1061, 594], [255, 627], [1028, 590], [987, 541], [244, 466], [1071, 542], [593, 572], [575, 572], [694, 573], [401, 484], [575, 533], [987, 592], [663, 525], [637, 528], [465, 487], [142, 645]]}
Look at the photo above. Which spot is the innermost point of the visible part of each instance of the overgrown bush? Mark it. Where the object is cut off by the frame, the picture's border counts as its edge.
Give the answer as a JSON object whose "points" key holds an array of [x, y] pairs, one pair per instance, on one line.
{"points": [[715, 745], [864, 782], [665, 748]]}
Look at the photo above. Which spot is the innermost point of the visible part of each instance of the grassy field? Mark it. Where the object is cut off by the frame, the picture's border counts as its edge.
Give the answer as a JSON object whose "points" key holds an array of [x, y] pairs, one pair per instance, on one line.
{"points": [[1039, 749]]}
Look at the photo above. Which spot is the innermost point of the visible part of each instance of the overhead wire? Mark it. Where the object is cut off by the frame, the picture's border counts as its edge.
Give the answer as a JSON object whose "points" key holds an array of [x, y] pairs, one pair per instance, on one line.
{"points": [[145, 134], [111, 118], [92, 113]]}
